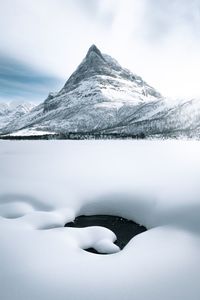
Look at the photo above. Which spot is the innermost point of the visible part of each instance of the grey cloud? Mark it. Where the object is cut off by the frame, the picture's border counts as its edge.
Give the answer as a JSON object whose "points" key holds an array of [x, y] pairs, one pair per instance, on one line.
{"points": [[18, 80]]}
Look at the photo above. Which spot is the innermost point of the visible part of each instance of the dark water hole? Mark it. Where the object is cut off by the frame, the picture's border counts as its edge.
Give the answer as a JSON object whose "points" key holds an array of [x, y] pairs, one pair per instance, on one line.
{"points": [[124, 229]]}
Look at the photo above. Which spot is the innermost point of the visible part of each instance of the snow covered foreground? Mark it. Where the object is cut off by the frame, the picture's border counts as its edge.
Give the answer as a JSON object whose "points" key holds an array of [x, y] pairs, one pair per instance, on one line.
{"points": [[44, 184]]}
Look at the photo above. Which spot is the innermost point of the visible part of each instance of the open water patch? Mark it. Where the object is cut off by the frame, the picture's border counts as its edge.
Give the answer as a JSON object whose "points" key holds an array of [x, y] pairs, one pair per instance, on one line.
{"points": [[124, 229]]}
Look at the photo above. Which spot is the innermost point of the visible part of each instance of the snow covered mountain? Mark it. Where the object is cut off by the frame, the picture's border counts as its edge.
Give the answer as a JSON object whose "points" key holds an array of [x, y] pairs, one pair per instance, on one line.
{"points": [[10, 111], [101, 97]]}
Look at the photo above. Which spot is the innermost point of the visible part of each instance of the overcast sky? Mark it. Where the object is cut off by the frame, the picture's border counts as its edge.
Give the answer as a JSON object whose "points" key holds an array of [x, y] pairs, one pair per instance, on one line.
{"points": [[43, 41]]}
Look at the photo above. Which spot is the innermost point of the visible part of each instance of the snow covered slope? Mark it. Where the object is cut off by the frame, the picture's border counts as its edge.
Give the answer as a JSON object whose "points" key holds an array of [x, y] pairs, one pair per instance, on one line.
{"points": [[102, 97], [11, 111]]}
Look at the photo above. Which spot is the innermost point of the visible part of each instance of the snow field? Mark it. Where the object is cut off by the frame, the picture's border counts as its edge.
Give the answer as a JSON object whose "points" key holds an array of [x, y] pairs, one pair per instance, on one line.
{"points": [[45, 184]]}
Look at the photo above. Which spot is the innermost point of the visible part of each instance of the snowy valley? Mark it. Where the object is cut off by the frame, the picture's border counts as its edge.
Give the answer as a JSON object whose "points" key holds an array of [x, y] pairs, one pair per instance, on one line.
{"points": [[99, 150], [46, 186]]}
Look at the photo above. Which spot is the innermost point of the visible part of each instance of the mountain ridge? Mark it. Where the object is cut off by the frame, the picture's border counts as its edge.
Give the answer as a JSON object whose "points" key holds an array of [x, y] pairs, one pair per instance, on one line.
{"points": [[102, 97], [13, 110]]}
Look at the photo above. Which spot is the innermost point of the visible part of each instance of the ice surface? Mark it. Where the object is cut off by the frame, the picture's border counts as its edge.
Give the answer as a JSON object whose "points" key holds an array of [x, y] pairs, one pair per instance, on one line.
{"points": [[45, 184]]}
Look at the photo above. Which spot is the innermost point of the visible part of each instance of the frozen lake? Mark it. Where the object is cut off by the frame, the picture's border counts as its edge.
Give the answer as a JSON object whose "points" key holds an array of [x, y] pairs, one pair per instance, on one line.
{"points": [[45, 184]]}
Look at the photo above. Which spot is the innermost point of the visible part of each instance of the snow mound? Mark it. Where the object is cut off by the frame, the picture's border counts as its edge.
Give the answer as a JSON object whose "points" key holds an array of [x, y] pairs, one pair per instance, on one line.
{"points": [[44, 185]]}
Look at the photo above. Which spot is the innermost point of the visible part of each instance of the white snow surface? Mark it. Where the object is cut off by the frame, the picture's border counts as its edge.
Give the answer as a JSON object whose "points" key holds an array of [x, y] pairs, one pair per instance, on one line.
{"points": [[29, 132], [44, 184]]}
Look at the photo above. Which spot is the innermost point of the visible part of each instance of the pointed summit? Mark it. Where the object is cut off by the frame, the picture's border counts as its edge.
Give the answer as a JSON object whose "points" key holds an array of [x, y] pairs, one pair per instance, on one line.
{"points": [[94, 51], [93, 64], [97, 66]]}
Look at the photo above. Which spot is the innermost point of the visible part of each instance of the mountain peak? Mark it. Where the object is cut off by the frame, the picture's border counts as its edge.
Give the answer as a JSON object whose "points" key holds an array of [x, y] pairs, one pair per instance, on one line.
{"points": [[97, 66], [93, 64], [93, 50]]}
